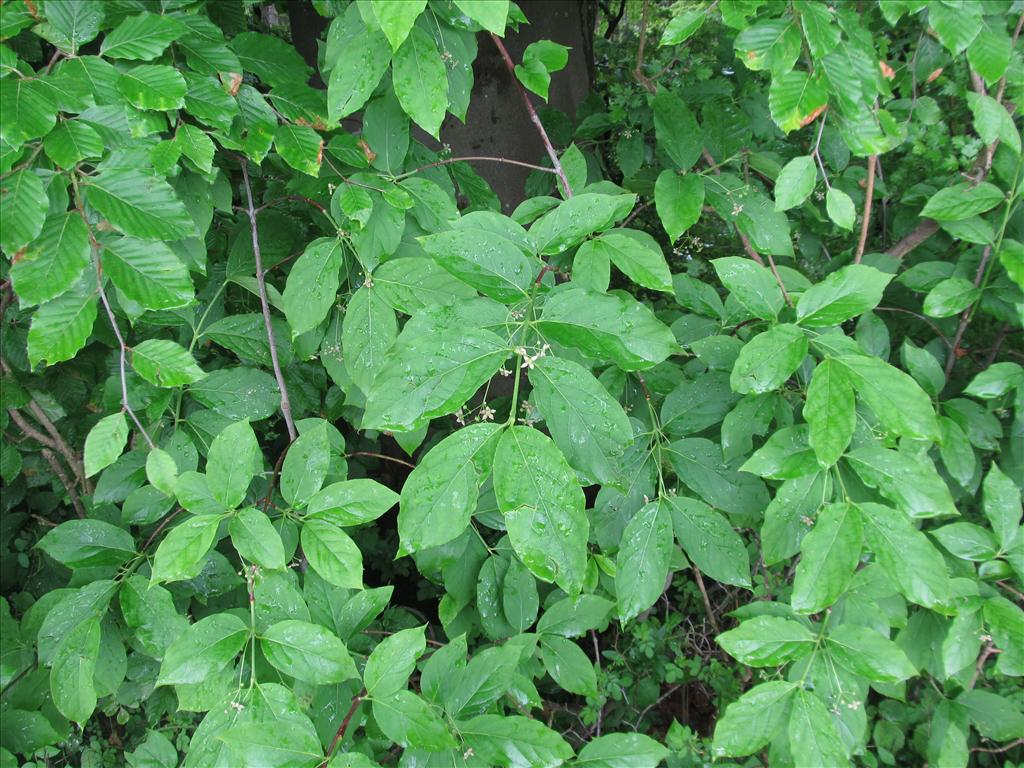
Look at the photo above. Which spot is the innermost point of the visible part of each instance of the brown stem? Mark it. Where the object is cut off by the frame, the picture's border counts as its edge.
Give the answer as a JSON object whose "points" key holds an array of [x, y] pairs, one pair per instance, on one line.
{"points": [[555, 162], [925, 229], [1000, 338], [371, 454], [69, 486], [965, 316], [340, 733], [477, 158], [268, 499], [987, 651], [286, 198], [997, 750], [920, 317], [261, 282], [122, 354], [872, 162], [638, 70], [704, 594], [163, 524]]}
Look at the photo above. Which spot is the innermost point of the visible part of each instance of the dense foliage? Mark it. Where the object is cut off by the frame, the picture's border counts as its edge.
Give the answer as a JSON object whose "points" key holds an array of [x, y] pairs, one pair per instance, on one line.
{"points": [[311, 456]]}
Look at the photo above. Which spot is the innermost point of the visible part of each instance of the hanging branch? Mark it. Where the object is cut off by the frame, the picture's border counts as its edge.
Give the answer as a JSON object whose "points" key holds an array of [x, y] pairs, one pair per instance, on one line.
{"points": [[965, 316], [261, 282], [475, 158], [122, 351], [872, 163], [555, 162]]}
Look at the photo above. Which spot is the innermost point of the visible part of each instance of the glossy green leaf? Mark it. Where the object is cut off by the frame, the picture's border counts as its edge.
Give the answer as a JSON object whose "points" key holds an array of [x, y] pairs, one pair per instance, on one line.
{"points": [[87, 543], [356, 72], [409, 721], [299, 146], [795, 99], [392, 661], [795, 182], [950, 297], [829, 554], [74, 664], [1001, 504], [147, 273], [642, 563], [543, 506], [62, 326], [709, 540], [961, 201], [768, 360], [812, 733], [514, 740], [911, 483], [165, 364], [23, 207], [143, 37], [843, 295], [568, 665], [140, 205], [180, 555], [489, 14], [676, 129], [305, 466], [153, 86], [332, 554], [367, 333], [767, 641], [893, 396], [105, 442], [307, 652], [203, 649], [829, 412], [71, 142], [233, 459], [351, 502], [754, 719], [255, 539], [865, 652], [420, 80], [679, 201], [751, 284], [396, 18]]}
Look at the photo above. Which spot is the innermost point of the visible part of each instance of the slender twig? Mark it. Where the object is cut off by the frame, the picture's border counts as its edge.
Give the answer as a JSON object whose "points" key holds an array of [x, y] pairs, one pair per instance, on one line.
{"points": [[638, 70], [122, 363], [555, 162], [920, 317], [475, 158], [704, 594], [979, 667], [649, 707], [965, 316], [340, 733], [997, 345], [69, 486], [1016, 593], [872, 161], [297, 198], [16, 678], [163, 524], [925, 229], [373, 455], [997, 750], [261, 282], [268, 500]]}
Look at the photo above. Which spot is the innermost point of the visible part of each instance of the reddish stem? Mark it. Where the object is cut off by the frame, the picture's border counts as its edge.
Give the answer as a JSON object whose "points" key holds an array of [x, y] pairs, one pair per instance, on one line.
{"points": [[340, 734]]}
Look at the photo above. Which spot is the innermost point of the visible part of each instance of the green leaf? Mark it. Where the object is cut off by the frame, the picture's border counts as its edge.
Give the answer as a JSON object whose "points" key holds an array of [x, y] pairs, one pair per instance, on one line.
{"points": [[519, 596], [621, 750], [195, 145], [410, 722], [769, 359], [829, 555], [893, 396], [846, 293], [540, 59], [829, 412], [420, 80], [813, 737], [588, 426], [153, 86], [140, 205], [88, 543], [568, 665], [487, 252], [143, 37], [1001, 502], [23, 206], [820, 29], [682, 27], [642, 563], [299, 146], [606, 326], [514, 740], [752, 285], [162, 471], [992, 121], [233, 459], [307, 652], [795, 182], [967, 541], [396, 18], [676, 129], [840, 208], [71, 142], [1005, 622], [698, 463], [867, 653], [281, 743], [989, 53], [679, 201], [996, 380], [27, 110], [62, 326], [238, 393], [333, 554], [576, 218], [71, 24], [543, 505], [312, 285], [489, 14], [74, 664], [147, 273], [574, 618], [181, 553], [203, 649], [637, 255], [773, 44], [709, 541], [795, 99], [273, 60], [256, 539], [754, 719], [367, 333], [356, 72], [912, 563], [767, 641], [431, 375], [410, 284], [105, 442], [994, 716], [910, 482], [392, 661], [305, 466], [950, 297], [961, 201], [440, 495], [351, 502], [165, 364]]}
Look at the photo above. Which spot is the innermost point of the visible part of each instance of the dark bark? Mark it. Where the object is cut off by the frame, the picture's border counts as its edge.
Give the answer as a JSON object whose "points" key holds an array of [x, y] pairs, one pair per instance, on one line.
{"points": [[307, 26]]}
